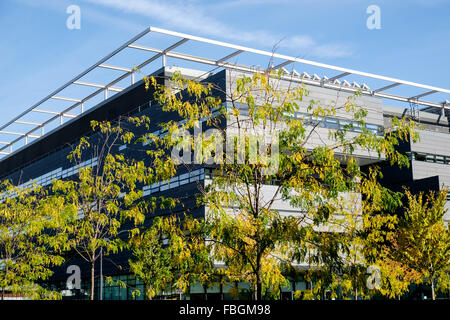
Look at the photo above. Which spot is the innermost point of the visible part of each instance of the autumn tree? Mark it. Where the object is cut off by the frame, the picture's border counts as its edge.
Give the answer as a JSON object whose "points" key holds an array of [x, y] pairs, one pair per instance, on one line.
{"points": [[30, 246], [151, 262], [269, 127], [421, 243], [345, 261], [173, 251], [106, 197]]}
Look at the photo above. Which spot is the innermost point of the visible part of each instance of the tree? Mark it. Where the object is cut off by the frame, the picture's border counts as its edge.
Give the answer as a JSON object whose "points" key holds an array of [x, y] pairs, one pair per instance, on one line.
{"points": [[29, 245], [396, 277], [106, 201], [272, 158], [347, 259], [421, 242], [152, 262], [172, 251]]}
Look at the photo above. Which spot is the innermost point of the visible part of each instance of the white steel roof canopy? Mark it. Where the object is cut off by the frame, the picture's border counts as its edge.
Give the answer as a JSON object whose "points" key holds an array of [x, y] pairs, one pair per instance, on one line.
{"points": [[37, 130]]}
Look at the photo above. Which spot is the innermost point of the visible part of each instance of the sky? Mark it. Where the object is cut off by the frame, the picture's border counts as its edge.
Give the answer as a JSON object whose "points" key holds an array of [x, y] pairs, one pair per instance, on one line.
{"points": [[39, 52]]}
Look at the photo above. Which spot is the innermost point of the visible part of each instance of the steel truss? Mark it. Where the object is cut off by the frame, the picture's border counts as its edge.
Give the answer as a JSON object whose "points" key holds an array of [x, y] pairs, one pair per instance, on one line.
{"points": [[38, 128]]}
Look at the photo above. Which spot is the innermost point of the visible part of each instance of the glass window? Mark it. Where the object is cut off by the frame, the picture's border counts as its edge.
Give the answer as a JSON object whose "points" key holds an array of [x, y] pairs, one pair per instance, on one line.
{"points": [[287, 288], [300, 285], [229, 289], [115, 293], [244, 290], [107, 293], [164, 187], [196, 288], [420, 157], [124, 293], [331, 123], [214, 289], [344, 124], [430, 158], [140, 287]]}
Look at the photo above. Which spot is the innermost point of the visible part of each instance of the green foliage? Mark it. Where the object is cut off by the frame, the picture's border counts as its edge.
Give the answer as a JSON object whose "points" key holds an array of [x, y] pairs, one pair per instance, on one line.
{"points": [[242, 220], [29, 245], [152, 262], [342, 219], [421, 243], [172, 252], [105, 203]]}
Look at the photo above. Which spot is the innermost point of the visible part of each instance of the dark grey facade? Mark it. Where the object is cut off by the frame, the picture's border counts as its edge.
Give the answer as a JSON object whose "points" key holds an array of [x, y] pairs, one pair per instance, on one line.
{"points": [[429, 157]]}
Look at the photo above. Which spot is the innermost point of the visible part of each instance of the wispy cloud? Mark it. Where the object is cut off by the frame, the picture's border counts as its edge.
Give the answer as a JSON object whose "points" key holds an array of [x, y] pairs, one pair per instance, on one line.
{"points": [[193, 16]]}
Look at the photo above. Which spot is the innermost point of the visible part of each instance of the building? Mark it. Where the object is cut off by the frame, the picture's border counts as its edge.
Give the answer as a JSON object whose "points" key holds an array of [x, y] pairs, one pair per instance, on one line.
{"points": [[31, 153], [429, 157]]}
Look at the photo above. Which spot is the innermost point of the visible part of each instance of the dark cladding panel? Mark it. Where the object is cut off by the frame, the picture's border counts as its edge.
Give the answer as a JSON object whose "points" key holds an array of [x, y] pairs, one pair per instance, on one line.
{"points": [[122, 103]]}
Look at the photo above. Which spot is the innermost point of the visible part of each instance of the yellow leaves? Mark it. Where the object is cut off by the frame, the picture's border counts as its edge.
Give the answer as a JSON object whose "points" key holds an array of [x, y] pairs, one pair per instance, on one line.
{"points": [[29, 247], [150, 81], [396, 278], [272, 277]]}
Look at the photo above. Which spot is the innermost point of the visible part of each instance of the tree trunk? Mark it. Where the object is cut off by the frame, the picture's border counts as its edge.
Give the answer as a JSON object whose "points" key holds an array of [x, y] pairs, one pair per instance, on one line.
{"points": [[356, 294], [147, 292], [92, 279], [258, 293], [6, 276], [205, 292], [259, 289], [432, 290]]}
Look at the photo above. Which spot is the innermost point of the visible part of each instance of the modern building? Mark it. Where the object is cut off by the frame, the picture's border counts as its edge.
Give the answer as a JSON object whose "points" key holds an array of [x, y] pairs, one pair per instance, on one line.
{"points": [[37, 142], [429, 157]]}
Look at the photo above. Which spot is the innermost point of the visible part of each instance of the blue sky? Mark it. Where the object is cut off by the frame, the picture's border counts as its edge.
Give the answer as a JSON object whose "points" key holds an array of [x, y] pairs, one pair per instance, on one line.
{"points": [[39, 53]]}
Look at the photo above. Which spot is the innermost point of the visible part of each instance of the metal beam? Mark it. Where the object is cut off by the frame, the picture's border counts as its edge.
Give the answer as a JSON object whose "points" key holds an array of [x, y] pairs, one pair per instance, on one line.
{"points": [[221, 63], [68, 115], [339, 76], [231, 55], [133, 46], [403, 99], [281, 65], [95, 85], [293, 59], [249, 69], [387, 87], [125, 45], [19, 134], [211, 62], [65, 99], [423, 95], [177, 44], [105, 66], [109, 85], [28, 122]]}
